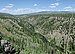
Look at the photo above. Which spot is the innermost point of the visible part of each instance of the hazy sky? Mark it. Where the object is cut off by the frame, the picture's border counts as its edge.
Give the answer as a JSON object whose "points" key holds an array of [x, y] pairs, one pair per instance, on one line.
{"points": [[30, 6]]}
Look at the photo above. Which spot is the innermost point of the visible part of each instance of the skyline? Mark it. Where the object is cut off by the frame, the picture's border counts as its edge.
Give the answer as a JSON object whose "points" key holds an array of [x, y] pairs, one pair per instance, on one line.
{"points": [[31, 6]]}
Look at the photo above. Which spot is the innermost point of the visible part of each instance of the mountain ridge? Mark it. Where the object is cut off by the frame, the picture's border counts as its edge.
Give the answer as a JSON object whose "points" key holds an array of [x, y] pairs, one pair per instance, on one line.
{"points": [[42, 12]]}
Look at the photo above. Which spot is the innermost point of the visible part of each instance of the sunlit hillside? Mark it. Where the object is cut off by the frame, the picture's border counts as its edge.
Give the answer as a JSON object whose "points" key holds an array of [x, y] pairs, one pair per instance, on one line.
{"points": [[39, 33]]}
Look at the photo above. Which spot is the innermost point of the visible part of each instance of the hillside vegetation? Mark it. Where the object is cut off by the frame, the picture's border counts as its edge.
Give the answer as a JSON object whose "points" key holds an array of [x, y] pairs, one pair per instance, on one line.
{"points": [[39, 33]]}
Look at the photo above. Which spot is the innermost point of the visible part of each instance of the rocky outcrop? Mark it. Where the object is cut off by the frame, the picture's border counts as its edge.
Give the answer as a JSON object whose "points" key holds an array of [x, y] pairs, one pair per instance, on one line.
{"points": [[6, 47]]}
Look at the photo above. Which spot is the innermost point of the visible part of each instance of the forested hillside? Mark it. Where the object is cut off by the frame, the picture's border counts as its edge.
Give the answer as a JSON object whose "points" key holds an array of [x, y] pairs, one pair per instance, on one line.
{"points": [[39, 33]]}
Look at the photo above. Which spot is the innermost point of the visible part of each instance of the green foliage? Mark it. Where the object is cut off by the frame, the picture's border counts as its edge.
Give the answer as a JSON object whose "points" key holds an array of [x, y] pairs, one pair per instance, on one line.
{"points": [[39, 34]]}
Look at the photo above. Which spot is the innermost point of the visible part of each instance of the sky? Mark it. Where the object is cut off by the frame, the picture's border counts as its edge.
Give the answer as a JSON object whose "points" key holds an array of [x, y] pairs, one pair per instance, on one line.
{"points": [[31, 6]]}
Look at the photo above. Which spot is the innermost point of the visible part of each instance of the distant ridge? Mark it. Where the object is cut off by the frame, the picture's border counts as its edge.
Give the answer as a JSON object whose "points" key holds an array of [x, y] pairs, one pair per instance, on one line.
{"points": [[7, 14], [53, 12], [42, 12]]}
